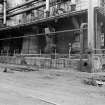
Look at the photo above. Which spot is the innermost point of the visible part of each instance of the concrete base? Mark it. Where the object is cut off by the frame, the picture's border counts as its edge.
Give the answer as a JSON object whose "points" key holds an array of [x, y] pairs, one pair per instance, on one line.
{"points": [[50, 45], [42, 63], [30, 45]]}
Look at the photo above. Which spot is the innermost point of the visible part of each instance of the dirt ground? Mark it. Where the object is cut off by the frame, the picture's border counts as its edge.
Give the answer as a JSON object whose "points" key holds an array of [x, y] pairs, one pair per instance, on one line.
{"points": [[49, 88]]}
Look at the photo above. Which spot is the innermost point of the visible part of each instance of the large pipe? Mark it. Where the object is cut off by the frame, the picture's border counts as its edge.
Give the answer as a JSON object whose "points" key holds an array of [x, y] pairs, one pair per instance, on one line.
{"points": [[4, 12], [90, 25], [25, 10], [47, 5], [29, 2], [28, 9], [22, 5], [47, 8]]}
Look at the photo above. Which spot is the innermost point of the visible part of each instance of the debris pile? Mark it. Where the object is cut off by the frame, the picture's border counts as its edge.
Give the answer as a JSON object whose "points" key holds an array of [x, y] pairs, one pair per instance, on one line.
{"points": [[95, 81]]}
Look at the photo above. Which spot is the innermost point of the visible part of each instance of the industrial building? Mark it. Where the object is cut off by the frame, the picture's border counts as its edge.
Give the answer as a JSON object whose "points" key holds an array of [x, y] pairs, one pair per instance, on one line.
{"points": [[59, 27], [61, 18], [52, 52]]}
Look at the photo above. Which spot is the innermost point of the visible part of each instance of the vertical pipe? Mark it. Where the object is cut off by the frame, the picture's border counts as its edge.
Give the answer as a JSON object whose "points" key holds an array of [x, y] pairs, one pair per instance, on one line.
{"points": [[69, 50], [90, 25], [91, 32], [4, 12], [47, 7], [96, 31]]}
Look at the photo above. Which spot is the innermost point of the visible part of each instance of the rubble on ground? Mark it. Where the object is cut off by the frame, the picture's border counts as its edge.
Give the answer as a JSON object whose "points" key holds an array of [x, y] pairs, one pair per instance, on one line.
{"points": [[95, 81]]}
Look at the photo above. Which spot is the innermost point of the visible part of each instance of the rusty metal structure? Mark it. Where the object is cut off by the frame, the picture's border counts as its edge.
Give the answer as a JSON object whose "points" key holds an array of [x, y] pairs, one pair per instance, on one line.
{"points": [[45, 27]]}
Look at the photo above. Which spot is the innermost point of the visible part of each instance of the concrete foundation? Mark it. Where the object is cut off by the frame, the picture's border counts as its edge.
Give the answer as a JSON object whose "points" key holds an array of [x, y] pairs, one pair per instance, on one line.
{"points": [[42, 63], [30, 44], [50, 45], [63, 39]]}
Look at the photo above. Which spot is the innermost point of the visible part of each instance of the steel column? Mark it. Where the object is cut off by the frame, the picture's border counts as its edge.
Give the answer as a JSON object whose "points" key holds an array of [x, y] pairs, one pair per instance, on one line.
{"points": [[81, 43]]}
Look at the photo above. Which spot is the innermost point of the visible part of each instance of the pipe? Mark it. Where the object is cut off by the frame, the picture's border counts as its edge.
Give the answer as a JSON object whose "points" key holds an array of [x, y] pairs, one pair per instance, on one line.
{"points": [[25, 10], [22, 5], [57, 17], [91, 23], [47, 5], [47, 8], [4, 12]]}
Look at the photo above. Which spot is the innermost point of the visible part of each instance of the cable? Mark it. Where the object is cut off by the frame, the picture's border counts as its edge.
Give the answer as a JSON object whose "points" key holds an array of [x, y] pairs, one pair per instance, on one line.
{"points": [[51, 33]]}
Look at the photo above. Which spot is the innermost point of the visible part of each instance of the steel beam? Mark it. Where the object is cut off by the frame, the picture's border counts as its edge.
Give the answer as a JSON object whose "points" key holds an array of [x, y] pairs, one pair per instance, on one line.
{"points": [[82, 42]]}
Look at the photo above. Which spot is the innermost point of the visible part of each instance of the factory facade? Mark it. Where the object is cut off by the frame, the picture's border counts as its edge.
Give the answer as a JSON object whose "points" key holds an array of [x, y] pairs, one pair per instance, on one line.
{"points": [[48, 26]]}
